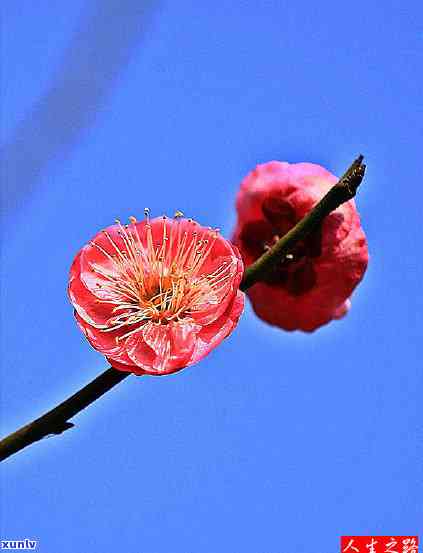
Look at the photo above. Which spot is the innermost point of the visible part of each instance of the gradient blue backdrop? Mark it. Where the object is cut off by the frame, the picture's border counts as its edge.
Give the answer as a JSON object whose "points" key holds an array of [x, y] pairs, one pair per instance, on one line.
{"points": [[277, 442]]}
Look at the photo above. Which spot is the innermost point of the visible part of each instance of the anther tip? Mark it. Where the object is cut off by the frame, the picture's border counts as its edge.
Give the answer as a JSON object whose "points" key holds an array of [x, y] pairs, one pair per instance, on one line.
{"points": [[178, 214], [132, 219]]}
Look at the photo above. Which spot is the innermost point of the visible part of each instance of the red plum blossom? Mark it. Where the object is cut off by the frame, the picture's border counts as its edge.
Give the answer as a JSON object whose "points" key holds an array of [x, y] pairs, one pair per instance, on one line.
{"points": [[313, 284], [157, 295]]}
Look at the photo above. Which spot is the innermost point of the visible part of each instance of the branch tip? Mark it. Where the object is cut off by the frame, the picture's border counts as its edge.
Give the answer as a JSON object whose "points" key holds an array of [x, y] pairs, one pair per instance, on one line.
{"points": [[344, 190]]}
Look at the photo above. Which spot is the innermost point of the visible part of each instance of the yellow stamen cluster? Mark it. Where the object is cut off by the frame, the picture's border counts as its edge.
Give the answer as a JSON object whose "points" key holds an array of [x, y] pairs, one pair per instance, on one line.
{"points": [[159, 282]]}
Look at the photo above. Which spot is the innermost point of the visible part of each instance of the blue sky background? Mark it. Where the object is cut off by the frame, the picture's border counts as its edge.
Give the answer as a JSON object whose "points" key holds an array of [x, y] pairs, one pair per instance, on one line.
{"points": [[276, 442]]}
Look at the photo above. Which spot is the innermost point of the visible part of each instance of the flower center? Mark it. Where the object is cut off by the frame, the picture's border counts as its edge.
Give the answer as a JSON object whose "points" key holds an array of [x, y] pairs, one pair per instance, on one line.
{"points": [[161, 282]]}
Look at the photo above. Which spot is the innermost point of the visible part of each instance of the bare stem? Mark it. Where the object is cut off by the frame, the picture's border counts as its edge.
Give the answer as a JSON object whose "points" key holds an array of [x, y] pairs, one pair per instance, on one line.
{"points": [[56, 420], [341, 192]]}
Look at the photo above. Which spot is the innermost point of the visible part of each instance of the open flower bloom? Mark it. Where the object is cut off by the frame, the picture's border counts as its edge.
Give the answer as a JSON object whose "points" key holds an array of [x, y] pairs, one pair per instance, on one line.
{"points": [[157, 295], [312, 285]]}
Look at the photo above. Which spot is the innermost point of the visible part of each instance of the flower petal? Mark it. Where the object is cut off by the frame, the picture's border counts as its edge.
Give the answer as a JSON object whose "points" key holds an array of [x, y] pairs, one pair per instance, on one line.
{"points": [[211, 335]]}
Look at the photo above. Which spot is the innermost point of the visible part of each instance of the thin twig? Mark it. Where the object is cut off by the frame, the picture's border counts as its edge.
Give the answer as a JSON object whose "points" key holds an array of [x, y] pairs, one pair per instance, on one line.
{"points": [[341, 192], [56, 420]]}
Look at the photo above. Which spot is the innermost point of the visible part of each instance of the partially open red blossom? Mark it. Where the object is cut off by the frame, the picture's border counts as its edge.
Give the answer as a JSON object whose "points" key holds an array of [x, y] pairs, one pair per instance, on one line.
{"points": [[313, 284], [157, 295]]}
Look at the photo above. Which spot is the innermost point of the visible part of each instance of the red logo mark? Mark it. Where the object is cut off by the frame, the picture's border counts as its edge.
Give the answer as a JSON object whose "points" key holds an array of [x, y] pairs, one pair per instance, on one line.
{"points": [[379, 544]]}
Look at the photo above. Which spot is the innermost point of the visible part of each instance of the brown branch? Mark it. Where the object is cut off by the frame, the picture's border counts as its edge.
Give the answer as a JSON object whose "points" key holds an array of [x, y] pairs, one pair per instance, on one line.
{"points": [[341, 192], [56, 420]]}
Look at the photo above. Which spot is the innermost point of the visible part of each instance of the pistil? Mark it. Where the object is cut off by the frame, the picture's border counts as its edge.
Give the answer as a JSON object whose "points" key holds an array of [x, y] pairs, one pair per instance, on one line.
{"points": [[158, 282]]}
